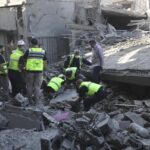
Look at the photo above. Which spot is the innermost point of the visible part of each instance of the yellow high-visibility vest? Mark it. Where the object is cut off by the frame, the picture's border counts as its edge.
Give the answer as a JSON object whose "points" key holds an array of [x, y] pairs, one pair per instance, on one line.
{"points": [[35, 59], [14, 60], [55, 83], [92, 87]]}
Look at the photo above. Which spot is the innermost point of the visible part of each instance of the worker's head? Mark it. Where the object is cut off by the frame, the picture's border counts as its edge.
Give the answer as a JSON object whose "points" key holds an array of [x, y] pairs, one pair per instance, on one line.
{"points": [[92, 43], [62, 76], [34, 42], [77, 52], [21, 45], [68, 73], [2, 49], [78, 82]]}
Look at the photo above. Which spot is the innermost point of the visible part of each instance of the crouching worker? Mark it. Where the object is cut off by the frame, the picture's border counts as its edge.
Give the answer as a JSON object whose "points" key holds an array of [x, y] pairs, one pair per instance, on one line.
{"points": [[90, 93], [54, 86], [73, 74]]}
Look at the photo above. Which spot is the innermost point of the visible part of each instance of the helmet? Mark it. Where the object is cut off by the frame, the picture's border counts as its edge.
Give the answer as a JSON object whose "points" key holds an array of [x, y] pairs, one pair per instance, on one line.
{"points": [[77, 52], [62, 76], [21, 42]]}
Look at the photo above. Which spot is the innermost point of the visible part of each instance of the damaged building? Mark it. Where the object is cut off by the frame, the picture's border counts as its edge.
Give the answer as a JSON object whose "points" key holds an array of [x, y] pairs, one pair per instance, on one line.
{"points": [[120, 121]]}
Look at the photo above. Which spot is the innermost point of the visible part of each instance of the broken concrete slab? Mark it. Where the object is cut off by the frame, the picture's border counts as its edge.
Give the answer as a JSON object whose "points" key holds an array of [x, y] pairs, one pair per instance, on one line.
{"points": [[20, 137], [138, 103], [124, 125], [49, 119], [104, 123], [135, 118], [146, 116], [22, 118], [116, 140], [47, 142], [20, 100], [68, 96], [139, 111], [139, 130], [145, 142], [147, 103]]}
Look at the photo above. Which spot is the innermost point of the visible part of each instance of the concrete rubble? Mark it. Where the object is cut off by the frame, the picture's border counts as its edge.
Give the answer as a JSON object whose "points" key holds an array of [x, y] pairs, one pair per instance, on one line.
{"points": [[119, 122], [105, 126]]}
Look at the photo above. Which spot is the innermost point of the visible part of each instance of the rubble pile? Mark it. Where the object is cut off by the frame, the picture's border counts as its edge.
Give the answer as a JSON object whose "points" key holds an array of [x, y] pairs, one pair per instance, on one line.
{"points": [[116, 123]]}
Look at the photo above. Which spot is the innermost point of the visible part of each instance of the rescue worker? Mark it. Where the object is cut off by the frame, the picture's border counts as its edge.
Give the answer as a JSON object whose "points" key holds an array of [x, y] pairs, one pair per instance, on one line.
{"points": [[90, 93], [55, 85], [15, 69], [97, 61], [75, 60], [36, 62], [72, 74], [4, 83]]}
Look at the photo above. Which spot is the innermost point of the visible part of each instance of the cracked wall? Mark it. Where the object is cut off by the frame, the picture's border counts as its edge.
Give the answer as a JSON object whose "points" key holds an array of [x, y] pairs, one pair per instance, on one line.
{"points": [[48, 18]]}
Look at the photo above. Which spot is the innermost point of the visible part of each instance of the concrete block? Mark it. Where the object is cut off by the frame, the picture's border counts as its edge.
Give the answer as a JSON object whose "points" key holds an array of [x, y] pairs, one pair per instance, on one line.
{"points": [[146, 116], [124, 125], [20, 100], [135, 118], [104, 123], [68, 96], [142, 132], [116, 140], [22, 118], [48, 141], [49, 119]]}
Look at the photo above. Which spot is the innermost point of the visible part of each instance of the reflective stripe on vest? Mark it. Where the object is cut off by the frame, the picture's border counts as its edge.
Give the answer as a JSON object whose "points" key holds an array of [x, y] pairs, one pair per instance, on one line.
{"points": [[35, 59], [73, 72], [14, 60], [72, 59], [55, 83], [92, 87], [3, 68]]}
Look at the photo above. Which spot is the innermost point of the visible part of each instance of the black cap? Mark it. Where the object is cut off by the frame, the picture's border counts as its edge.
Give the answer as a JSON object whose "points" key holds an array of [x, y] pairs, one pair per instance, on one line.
{"points": [[92, 41], [34, 41]]}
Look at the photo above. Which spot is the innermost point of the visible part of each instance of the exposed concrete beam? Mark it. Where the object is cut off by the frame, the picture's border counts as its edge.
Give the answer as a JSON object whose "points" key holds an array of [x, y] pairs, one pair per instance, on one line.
{"points": [[137, 78], [117, 13]]}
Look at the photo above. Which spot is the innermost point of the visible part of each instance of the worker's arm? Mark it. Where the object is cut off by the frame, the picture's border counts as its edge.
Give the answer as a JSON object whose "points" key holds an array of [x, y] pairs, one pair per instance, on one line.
{"points": [[25, 56], [86, 62], [45, 62]]}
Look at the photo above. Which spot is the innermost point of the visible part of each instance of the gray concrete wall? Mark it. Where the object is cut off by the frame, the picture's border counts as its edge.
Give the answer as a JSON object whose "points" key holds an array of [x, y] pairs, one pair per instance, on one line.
{"points": [[48, 18], [3, 38]]}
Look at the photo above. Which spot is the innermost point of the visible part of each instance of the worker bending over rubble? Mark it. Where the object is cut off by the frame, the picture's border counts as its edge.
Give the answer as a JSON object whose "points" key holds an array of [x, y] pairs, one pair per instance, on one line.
{"points": [[54, 86], [90, 93], [73, 74], [75, 60]]}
